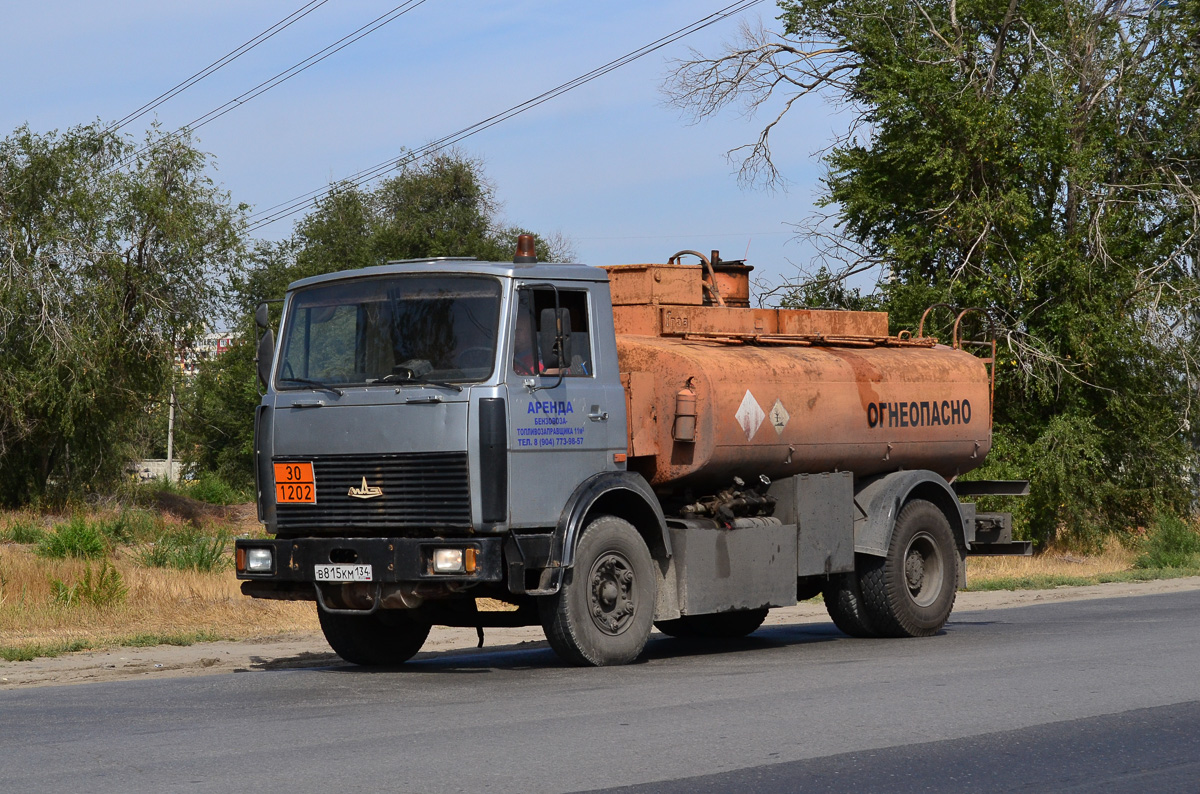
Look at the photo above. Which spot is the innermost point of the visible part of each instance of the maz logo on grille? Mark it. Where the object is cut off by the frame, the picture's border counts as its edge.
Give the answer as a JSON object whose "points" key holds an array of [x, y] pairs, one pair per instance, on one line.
{"points": [[365, 492]]}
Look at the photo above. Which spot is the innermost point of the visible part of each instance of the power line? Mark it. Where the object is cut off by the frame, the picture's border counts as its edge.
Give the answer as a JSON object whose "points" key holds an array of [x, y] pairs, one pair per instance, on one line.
{"points": [[292, 206], [223, 61], [286, 74]]}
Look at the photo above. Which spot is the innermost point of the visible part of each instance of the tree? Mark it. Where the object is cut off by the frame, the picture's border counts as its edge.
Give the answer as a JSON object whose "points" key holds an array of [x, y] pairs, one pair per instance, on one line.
{"points": [[111, 254], [441, 205], [1036, 158]]}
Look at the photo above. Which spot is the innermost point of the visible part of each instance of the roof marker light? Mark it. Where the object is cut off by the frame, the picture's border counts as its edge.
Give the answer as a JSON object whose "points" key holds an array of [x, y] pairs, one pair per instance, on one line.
{"points": [[525, 251]]}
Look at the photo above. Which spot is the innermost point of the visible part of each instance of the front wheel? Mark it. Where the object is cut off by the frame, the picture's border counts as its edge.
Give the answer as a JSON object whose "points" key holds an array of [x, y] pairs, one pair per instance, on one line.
{"points": [[602, 614], [385, 638], [910, 592]]}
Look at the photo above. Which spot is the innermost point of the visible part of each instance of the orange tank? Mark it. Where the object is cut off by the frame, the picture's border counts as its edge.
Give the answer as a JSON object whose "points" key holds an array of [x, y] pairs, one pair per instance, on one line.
{"points": [[715, 392]]}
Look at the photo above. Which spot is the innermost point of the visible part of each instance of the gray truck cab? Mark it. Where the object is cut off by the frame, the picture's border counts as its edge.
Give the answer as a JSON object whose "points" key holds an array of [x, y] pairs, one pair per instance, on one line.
{"points": [[433, 431]]}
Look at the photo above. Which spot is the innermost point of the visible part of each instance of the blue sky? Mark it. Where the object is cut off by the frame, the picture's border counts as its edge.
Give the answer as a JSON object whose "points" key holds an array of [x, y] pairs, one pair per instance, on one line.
{"points": [[610, 165]]}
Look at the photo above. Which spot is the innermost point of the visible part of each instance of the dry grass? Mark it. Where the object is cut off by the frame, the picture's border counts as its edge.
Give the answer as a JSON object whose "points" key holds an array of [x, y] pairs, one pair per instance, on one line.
{"points": [[162, 605], [1114, 558], [160, 602]]}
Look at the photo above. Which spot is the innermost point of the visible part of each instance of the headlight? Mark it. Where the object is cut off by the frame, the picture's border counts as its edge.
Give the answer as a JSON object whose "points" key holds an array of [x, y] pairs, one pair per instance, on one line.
{"points": [[448, 561], [259, 560]]}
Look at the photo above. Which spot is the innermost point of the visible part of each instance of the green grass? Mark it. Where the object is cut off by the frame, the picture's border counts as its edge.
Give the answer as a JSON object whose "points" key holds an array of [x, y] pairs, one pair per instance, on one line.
{"points": [[206, 487], [27, 653], [24, 531], [180, 639], [188, 551], [78, 538], [1050, 581], [212, 489], [131, 526], [103, 587]]}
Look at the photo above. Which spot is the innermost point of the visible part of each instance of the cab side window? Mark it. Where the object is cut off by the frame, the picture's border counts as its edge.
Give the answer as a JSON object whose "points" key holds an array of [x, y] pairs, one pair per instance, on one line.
{"points": [[534, 328]]}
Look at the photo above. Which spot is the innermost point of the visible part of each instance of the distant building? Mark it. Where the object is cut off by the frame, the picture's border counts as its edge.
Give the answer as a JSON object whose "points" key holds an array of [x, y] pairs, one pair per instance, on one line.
{"points": [[206, 348]]}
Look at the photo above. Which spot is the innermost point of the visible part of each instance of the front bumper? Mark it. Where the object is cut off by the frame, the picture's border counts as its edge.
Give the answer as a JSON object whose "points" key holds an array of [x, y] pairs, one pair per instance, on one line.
{"points": [[392, 560]]}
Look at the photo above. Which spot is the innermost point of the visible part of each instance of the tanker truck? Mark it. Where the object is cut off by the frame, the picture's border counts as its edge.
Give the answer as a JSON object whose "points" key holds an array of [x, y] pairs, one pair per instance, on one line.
{"points": [[605, 450]]}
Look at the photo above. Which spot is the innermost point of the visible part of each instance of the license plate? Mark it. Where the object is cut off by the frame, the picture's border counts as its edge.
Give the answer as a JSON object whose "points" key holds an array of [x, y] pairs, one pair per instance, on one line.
{"points": [[295, 483], [342, 573]]}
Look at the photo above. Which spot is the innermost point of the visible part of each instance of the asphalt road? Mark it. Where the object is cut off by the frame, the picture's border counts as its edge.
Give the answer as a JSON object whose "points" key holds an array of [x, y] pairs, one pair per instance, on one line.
{"points": [[1100, 695]]}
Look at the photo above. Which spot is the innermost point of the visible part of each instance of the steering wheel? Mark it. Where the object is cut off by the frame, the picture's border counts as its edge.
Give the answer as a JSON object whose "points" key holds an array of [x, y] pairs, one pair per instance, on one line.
{"points": [[472, 357]]}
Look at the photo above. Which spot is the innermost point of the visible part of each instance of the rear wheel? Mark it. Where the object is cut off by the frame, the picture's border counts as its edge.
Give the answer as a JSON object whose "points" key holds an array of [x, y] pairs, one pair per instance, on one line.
{"points": [[603, 612], [911, 591], [385, 638], [723, 625], [844, 602]]}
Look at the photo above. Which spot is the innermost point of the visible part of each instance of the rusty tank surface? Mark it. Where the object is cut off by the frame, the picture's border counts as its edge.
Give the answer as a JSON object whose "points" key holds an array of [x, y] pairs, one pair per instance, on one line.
{"points": [[717, 389]]}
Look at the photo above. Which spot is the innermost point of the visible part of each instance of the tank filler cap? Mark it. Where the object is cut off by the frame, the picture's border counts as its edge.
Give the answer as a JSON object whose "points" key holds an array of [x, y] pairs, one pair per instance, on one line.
{"points": [[526, 255]]}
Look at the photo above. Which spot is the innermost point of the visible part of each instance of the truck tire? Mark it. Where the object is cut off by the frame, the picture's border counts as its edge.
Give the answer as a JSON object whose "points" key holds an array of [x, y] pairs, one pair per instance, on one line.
{"points": [[844, 603], [381, 639], [602, 613], [722, 625], [910, 592]]}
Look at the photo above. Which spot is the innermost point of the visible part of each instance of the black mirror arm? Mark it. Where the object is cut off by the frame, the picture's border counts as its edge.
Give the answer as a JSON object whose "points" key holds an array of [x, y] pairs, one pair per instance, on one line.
{"points": [[559, 345]]}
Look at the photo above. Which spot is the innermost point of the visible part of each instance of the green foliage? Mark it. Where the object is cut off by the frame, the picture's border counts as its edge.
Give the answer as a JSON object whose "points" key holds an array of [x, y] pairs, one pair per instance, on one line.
{"points": [[187, 551], [78, 538], [1037, 160], [101, 587], [212, 488], [441, 205], [109, 257], [1171, 543], [826, 291]]}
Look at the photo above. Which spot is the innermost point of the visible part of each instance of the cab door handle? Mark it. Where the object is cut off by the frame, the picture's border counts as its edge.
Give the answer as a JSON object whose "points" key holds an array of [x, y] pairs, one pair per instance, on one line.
{"points": [[596, 415]]}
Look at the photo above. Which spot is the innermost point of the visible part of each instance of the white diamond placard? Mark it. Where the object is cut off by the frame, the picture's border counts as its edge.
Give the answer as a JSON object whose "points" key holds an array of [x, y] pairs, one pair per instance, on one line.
{"points": [[750, 415], [779, 417]]}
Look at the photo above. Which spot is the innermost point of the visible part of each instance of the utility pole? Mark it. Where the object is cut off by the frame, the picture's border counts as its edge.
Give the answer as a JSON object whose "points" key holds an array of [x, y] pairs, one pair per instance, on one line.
{"points": [[171, 428]]}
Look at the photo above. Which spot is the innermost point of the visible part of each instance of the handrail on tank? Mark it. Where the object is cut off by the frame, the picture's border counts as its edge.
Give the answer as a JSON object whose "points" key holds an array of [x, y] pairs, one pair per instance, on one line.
{"points": [[958, 344], [926, 313], [989, 341], [711, 284]]}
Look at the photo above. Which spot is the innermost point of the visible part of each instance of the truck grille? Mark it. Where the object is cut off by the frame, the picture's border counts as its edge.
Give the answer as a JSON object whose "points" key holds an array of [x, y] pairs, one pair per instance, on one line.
{"points": [[420, 489]]}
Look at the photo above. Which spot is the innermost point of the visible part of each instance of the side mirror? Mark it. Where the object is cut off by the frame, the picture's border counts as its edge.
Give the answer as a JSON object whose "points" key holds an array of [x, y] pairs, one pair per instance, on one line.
{"points": [[262, 317], [554, 338], [264, 354]]}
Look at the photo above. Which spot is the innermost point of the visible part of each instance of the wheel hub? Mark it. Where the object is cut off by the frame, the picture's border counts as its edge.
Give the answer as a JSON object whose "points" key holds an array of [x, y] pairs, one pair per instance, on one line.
{"points": [[914, 570], [611, 593], [923, 570]]}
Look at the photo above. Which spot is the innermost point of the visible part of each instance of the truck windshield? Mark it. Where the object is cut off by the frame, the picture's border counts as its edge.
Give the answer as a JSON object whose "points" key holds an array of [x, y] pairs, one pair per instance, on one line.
{"points": [[391, 330]]}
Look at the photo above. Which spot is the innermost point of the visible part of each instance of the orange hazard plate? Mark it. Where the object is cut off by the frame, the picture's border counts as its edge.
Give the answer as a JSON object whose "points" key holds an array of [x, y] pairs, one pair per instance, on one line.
{"points": [[294, 483]]}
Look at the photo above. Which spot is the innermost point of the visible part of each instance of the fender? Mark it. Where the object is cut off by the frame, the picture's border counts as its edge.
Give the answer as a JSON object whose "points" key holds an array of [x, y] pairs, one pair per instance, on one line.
{"points": [[878, 502], [621, 493]]}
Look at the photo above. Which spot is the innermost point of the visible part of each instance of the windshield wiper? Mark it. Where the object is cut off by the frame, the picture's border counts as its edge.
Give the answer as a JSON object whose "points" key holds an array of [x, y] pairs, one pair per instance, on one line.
{"points": [[316, 384], [420, 380]]}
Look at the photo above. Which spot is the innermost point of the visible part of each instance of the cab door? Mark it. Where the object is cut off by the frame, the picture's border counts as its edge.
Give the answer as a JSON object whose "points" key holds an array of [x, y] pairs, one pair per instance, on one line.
{"points": [[566, 409]]}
